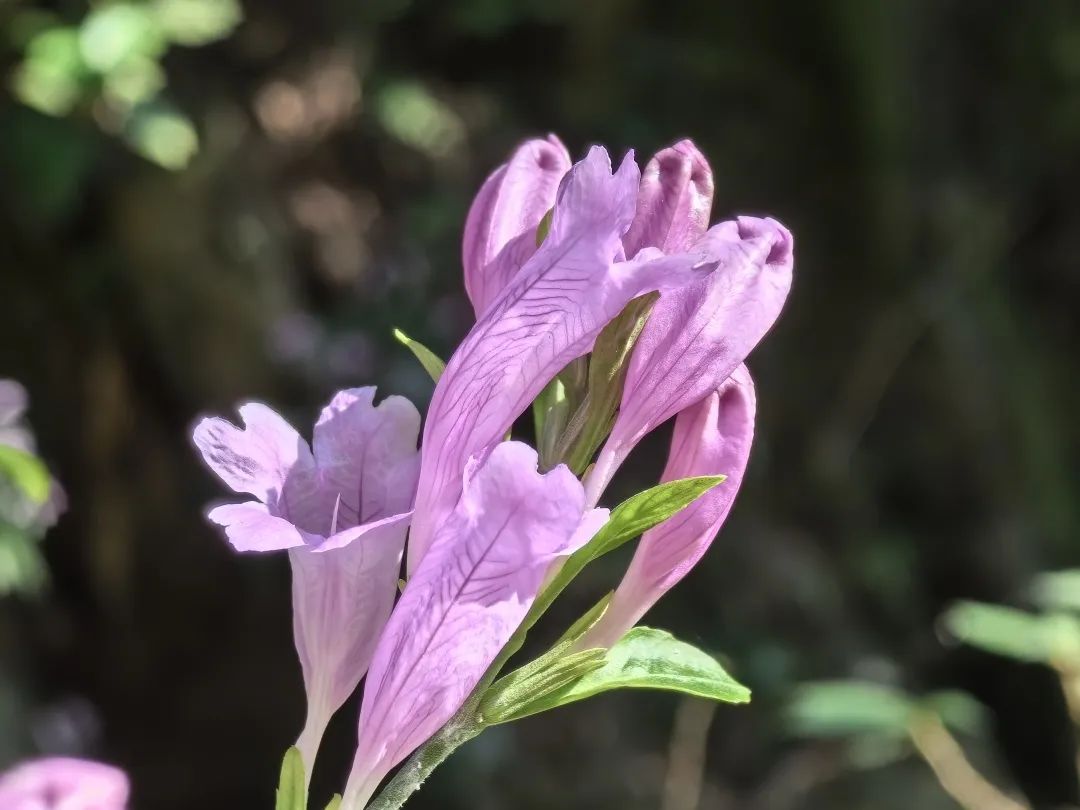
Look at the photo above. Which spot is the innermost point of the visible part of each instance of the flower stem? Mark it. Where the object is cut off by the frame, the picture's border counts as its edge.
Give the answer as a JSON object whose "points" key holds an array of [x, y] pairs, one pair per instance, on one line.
{"points": [[432, 754]]}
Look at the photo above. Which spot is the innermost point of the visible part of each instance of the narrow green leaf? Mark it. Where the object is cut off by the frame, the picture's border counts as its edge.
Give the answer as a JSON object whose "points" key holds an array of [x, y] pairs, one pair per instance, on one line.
{"points": [[335, 802], [650, 659], [850, 709], [292, 791], [431, 362], [1012, 633], [530, 689], [26, 472], [641, 512]]}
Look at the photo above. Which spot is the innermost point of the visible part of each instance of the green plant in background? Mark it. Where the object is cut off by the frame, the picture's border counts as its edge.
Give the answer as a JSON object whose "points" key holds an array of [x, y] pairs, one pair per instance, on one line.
{"points": [[108, 66], [30, 501], [881, 724]]}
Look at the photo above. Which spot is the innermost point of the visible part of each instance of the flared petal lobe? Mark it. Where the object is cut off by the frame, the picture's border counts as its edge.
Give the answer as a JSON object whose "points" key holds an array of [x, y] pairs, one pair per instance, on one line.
{"points": [[674, 201], [549, 314], [467, 597], [712, 437], [500, 230], [61, 783], [342, 511], [698, 335]]}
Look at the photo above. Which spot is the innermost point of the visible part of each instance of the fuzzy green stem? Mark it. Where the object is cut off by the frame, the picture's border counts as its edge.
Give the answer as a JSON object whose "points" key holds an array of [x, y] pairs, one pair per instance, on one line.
{"points": [[432, 754]]}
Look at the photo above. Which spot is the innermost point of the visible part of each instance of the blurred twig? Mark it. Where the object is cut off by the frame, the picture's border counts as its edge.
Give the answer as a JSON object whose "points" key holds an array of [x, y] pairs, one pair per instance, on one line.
{"points": [[686, 754], [952, 768]]}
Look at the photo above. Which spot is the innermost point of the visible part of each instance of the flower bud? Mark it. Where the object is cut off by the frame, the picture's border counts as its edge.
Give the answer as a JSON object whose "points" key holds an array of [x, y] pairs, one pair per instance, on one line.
{"points": [[500, 231], [674, 201]]}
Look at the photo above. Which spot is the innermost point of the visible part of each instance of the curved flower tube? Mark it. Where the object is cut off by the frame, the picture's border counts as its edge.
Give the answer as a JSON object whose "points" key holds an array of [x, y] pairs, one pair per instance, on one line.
{"points": [[500, 230], [712, 437], [468, 596], [342, 512], [63, 783]]}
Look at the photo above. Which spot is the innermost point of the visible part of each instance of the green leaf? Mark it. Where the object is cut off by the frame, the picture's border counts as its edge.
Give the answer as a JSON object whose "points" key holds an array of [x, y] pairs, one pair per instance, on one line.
{"points": [[959, 710], [1058, 590], [530, 689], [431, 362], [162, 135], [1047, 639], [651, 659], [641, 512], [26, 472], [335, 802], [849, 709], [197, 22], [292, 791], [633, 516], [115, 32]]}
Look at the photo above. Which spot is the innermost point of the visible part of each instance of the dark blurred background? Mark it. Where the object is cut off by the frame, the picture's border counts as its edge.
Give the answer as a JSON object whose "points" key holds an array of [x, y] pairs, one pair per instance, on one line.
{"points": [[202, 203]]}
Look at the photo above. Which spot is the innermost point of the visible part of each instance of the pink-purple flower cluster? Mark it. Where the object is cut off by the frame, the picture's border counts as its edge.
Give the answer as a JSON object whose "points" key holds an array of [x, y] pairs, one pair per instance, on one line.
{"points": [[560, 259]]}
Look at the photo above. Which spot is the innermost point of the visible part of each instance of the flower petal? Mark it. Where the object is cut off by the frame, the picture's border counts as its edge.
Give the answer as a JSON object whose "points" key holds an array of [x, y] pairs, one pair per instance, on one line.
{"points": [[698, 335], [62, 783], [464, 602], [674, 201], [500, 230], [342, 598], [366, 456], [250, 527], [550, 313], [712, 437], [258, 459]]}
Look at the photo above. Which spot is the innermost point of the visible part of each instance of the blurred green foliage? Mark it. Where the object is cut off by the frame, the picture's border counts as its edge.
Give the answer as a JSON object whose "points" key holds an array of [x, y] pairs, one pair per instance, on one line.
{"points": [[313, 165], [108, 66]]}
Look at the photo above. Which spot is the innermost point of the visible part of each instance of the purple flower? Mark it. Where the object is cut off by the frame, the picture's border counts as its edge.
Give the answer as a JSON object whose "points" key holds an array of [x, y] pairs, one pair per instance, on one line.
{"points": [[60, 783], [500, 231], [698, 335], [548, 314], [712, 437], [472, 589], [341, 511], [674, 201]]}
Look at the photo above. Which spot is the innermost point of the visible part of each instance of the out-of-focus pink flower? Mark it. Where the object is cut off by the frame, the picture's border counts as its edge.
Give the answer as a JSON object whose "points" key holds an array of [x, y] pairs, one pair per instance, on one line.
{"points": [[61, 783]]}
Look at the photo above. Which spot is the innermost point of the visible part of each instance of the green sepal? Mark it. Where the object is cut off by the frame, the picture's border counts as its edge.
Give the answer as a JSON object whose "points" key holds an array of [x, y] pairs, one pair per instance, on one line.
{"points": [[528, 690], [544, 228], [431, 362], [292, 789], [335, 802], [26, 472], [608, 364], [586, 622], [647, 659]]}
